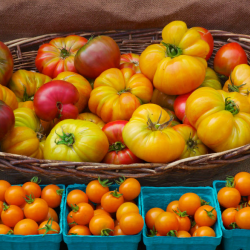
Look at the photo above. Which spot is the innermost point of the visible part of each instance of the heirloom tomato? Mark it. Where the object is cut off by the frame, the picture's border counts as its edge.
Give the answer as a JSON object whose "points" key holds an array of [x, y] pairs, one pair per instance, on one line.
{"points": [[118, 152], [28, 104], [130, 60], [91, 118], [49, 227], [52, 194], [7, 119], [97, 55], [216, 112], [163, 100], [83, 86], [228, 217], [207, 37], [194, 146], [172, 115], [32, 187], [58, 55], [118, 93], [26, 227], [180, 105], [131, 223], [211, 80], [7, 96], [101, 224], [76, 140], [21, 141], [25, 84], [228, 57], [41, 146], [149, 136], [6, 65], [242, 183], [56, 99], [151, 216]]}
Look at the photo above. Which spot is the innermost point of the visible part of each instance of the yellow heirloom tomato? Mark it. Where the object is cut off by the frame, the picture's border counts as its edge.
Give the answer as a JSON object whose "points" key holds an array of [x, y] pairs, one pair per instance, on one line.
{"points": [[8, 97], [91, 118], [211, 80], [76, 140], [222, 119], [149, 136]]}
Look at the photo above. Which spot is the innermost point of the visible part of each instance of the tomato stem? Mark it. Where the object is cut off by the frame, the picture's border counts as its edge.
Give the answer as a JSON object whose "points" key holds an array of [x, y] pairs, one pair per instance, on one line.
{"points": [[60, 191], [233, 225], [64, 53], [10, 232], [115, 194], [104, 183], [124, 91], [106, 232], [117, 146], [193, 223], [26, 97], [74, 208], [152, 232], [230, 182], [157, 126], [210, 213], [36, 180], [172, 233], [172, 50], [67, 139], [120, 180], [29, 199], [233, 88], [231, 106], [48, 227], [5, 206], [203, 202], [181, 214]]}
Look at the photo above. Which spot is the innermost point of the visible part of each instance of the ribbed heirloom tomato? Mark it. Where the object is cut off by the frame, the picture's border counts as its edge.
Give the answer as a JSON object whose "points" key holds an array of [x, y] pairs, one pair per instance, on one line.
{"points": [[163, 100], [7, 96], [91, 118], [211, 80], [130, 60]]}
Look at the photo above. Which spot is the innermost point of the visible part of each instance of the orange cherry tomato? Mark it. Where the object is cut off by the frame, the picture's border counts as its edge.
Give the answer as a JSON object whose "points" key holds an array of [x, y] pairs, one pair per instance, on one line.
{"points": [[242, 218], [79, 230], [173, 206], [1, 207], [76, 196], [130, 188], [4, 185], [193, 229], [32, 188], [15, 195], [96, 189], [99, 206], [117, 223], [26, 227], [5, 229], [118, 231], [205, 216], [52, 214], [70, 220], [11, 215], [204, 231], [111, 201], [229, 197], [101, 225], [242, 183], [183, 234], [82, 213], [36, 209], [166, 222], [184, 221], [100, 211], [127, 207], [151, 216], [49, 227], [131, 223], [228, 217], [52, 194], [189, 202]]}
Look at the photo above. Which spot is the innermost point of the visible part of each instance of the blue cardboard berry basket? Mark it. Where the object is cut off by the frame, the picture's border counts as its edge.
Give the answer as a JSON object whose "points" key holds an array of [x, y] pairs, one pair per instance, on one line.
{"points": [[129, 242], [234, 239], [160, 197], [35, 242]]}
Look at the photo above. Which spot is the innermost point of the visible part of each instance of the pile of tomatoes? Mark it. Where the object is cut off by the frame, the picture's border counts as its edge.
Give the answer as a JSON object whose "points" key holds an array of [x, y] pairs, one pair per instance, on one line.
{"points": [[102, 212], [186, 217], [89, 103], [28, 209], [234, 199]]}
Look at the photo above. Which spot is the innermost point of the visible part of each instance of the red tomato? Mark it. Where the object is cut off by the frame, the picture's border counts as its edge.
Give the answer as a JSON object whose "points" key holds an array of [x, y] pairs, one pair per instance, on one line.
{"points": [[151, 216], [228, 57], [97, 55], [7, 119], [15, 195], [228, 217], [52, 194], [207, 37], [11, 215], [131, 223], [130, 188], [56, 99], [4, 185], [58, 55], [32, 187], [130, 60], [118, 151], [242, 183]]}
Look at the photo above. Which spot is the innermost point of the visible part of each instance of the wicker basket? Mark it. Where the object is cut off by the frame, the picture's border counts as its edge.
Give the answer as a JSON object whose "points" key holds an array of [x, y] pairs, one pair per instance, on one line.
{"points": [[190, 170]]}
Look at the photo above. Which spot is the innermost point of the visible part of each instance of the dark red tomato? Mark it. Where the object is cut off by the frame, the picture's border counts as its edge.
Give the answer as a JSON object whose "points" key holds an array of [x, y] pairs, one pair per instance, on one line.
{"points": [[97, 55], [207, 37], [118, 152], [228, 57], [6, 64], [7, 119], [56, 99]]}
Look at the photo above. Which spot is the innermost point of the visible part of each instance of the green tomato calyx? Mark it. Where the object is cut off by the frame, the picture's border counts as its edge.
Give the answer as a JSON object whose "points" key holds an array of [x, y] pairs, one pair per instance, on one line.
{"points": [[117, 146], [210, 213], [172, 233], [157, 126], [124, 91], [120, 180], [30, 199], [116, 194], [36, 180], [106, 232], [48, 227], [234, 88], [231, 106], [26, 97], [152, 232], [67, 139], [104, 183], [64, 53], [172, 50]]}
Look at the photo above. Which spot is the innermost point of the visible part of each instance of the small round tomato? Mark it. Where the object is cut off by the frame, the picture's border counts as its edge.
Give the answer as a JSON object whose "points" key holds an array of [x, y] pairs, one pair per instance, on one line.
{"points": [[131, 223], [15, 195], [189, 202], [151, 216], [166, 222], [229, 197], [99, 206], [127, 207], [70, 220], [184, 221], [52, 194], [49, 227], [36, 209], [11, 215], [101, 225], [32, 187], [79, 230], [101, 211], [228, 217], [5, 230], [1, 208], [111, 201], [130, 188], [242, 183], [52, 214], [82, 213], [173, 206], [193, 229], [76, 196], [205, 216], [96, 189], [117, 223], [183, 234], [130, 60], [26, 227], [242, 218], [204, 231], [4, 185], [118, 231]]}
